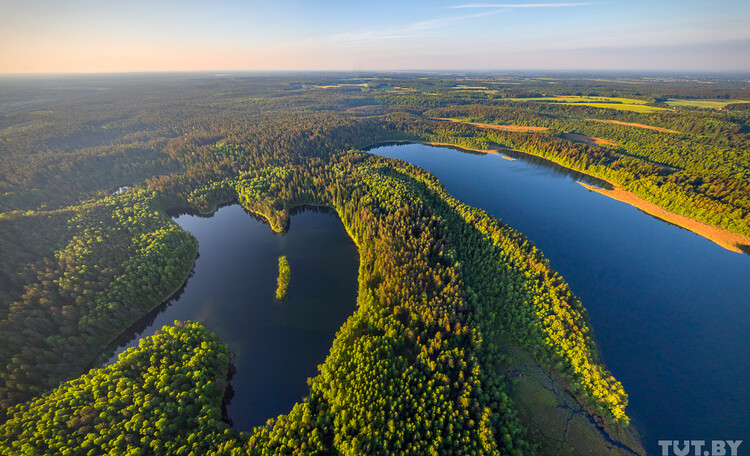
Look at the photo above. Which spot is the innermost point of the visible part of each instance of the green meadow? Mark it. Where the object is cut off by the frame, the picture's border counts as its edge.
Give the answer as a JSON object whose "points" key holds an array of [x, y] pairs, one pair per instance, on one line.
{"points": [[704, 103]]}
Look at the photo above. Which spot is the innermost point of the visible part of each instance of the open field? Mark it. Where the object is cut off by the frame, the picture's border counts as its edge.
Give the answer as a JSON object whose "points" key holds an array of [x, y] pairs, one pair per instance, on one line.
{"points": [[338, 86], [619, 103], [587, 99], [704, 103], [581, 99], [622, 106], [465, 87]]}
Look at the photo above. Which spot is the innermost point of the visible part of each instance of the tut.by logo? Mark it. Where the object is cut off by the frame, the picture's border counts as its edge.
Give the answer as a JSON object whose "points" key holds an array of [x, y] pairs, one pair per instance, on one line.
{"points": [[699, 447]]}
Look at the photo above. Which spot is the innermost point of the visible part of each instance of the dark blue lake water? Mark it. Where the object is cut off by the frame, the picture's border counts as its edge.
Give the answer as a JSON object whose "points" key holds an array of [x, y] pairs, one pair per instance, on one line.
{"points": [[277, 345], [670, 309]]}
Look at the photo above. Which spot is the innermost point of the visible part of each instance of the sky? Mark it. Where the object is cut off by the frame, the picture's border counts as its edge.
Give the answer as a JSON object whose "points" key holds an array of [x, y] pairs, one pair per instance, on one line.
{"points": [[105, 36]]}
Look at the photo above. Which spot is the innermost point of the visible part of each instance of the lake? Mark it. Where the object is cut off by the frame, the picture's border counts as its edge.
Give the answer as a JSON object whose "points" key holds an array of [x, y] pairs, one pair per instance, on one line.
{"points": [[670, 309], [276, 345]]}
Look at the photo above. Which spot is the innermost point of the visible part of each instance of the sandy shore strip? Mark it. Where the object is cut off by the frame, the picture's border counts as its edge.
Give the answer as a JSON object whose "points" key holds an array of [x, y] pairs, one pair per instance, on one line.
{"points": [[720, 236], [589, 139], [629, 124], [496, 127]]}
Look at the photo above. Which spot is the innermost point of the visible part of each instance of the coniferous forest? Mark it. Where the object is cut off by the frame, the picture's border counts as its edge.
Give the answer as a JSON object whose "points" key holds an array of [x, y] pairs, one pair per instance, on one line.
{"points": [[450, 298]]}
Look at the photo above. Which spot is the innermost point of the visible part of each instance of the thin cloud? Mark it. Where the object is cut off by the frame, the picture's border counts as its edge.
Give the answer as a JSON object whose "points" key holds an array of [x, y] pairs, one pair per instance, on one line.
{"points": [[519, 5], [411, 30], [414, 30]]}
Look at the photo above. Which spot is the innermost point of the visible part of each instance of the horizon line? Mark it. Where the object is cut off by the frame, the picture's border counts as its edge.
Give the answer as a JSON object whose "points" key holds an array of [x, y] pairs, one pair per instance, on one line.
{"points": [[404, 70]]}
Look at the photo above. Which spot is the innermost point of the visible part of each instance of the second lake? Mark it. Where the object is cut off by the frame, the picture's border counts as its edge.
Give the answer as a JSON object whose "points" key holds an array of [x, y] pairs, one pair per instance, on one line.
{"points": [[276, 345]]}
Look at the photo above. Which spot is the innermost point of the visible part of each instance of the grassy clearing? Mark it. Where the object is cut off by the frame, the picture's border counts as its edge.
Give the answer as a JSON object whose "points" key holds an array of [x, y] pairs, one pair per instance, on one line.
{"points": [[338, 86], [589, 139], [24, 127], [704, 103], [552, 414]]}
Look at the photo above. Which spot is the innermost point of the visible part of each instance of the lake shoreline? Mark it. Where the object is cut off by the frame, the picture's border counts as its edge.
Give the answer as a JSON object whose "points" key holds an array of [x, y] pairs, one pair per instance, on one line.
{"points": [[172, 213], [726, 239], [98, 361], [395, 142], [720, 236]]}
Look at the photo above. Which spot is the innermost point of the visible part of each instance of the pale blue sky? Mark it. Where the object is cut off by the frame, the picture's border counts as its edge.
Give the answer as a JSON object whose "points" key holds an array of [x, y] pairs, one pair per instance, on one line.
{"points": [[190, 35]]}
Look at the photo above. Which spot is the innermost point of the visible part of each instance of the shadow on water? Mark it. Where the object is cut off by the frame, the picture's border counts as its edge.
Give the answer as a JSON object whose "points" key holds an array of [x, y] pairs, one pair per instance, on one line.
{"points": [[312, 209], [516, 154], [562, 170], [178, 211], [109, 354]]}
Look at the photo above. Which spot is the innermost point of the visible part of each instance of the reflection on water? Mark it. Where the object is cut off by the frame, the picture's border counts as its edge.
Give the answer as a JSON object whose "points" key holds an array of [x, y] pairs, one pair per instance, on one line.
{"points": [[127, 338], [383, 147], [276, 346], [561, 170], [670, 309]]}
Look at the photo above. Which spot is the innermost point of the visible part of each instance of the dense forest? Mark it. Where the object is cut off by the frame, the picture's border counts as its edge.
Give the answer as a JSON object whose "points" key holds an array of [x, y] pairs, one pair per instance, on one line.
{"points": [[91, 168]]}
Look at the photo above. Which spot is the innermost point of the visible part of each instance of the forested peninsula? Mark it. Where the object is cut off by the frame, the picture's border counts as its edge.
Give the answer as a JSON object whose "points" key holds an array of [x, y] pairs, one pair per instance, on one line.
{"points": [[452, 302]]}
